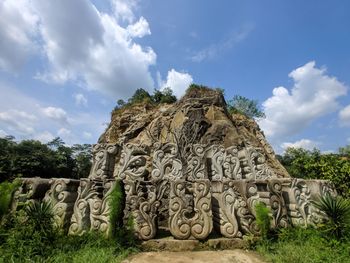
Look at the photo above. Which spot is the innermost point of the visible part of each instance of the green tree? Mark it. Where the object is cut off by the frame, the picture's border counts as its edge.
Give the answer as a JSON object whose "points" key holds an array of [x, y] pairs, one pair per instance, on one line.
{"points": [[243, 105], [83, 159], [7, 147], [164, 96], [314, 165], [140, 95]]}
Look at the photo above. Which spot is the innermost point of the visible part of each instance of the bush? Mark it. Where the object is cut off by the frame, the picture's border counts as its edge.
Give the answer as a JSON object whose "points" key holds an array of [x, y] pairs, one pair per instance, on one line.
{"points": [[304, 246], [263, 220], [6, 193], [337, 210]]}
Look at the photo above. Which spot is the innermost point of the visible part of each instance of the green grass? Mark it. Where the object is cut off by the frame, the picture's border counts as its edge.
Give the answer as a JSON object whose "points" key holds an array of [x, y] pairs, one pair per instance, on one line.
{"points": [[304, 245]]}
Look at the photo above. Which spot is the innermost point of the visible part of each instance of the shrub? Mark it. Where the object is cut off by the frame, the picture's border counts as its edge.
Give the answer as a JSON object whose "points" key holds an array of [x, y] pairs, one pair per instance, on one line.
{"points": [[337, 210], [263, 219], [6, 192]]}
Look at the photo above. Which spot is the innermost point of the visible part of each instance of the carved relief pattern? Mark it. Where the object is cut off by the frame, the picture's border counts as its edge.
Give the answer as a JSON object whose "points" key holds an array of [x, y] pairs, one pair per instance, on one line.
{"points": [[62, 196], [141, 206], [277, 204], [91, 210], [166, 165], [132, 163], [190, 220], [196, 163], [103, 160]]}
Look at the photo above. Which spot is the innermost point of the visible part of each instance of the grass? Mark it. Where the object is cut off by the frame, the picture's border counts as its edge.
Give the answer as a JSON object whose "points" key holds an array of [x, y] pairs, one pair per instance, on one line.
{"points": [[304, 245], [24, 239]]}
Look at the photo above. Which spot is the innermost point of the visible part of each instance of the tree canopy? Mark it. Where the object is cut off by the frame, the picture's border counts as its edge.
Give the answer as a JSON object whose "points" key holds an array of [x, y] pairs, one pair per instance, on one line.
{"points": [[313, 164], [30, 158], [243, 105]]}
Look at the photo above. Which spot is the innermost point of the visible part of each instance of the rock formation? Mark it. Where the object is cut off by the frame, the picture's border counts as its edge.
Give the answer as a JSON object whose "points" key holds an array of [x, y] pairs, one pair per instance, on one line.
{"points": [[188, 168]]}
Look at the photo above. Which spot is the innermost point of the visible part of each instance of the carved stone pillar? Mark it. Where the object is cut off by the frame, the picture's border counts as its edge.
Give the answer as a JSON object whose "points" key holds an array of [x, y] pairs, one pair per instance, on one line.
{"points": [[62, 196], [190, 209]]}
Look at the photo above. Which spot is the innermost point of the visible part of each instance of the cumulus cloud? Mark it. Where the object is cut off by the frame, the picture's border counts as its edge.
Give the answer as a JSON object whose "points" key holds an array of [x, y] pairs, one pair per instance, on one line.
{"points": [[139, 29], [177, 81], [313, 95], [303, 143], [18, 24], [94, 47], [80, 99], [344, 116], [124, 9], [55, 113], [18, 121]]}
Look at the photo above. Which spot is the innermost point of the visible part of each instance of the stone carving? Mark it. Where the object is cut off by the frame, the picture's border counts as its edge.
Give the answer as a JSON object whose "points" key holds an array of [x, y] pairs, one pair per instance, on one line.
{"points": [[31, 190], [141, 207], [103, 161], [91, 210], [166, 165], [62, 196], [196, 168], [132, 163], [190, 219], [210, 186]]}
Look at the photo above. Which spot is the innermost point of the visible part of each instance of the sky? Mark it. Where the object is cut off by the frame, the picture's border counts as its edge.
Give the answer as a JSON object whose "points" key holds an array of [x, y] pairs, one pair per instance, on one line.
{"points": [[64, 64]]}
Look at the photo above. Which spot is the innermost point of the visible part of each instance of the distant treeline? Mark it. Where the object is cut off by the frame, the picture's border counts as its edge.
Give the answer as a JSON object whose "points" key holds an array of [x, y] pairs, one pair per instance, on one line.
{"points": [[301, 163], [30, 158]]}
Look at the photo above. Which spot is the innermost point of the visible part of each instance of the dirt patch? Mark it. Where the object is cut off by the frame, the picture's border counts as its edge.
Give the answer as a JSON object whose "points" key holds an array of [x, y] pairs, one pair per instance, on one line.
{"points": [[225, 256]]}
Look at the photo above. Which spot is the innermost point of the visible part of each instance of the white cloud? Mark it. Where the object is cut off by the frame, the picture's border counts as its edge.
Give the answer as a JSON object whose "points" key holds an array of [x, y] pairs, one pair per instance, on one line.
{"points": [[123, 9], [177, 81], [18, 121], [94, 48], [139, 29], [80, 99], [44, 137], [55, 113], [303, 143], [216, 49], [18, 25], [344, 116], [63, 132], [313, 95], [3, 134]]}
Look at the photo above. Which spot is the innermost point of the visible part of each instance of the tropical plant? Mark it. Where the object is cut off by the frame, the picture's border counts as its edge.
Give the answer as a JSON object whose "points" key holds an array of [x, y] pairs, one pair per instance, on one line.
{"points": [[6, 192], [337, 210], [263, 219]]}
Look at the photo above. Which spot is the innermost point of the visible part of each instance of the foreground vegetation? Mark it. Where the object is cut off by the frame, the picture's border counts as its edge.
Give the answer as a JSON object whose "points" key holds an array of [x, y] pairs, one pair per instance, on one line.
{"points": [[29, 235], [328, 241]]}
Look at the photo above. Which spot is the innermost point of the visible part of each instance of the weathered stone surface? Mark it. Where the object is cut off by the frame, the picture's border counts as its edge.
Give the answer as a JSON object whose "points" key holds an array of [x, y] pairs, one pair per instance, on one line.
{"points": [[189, 169], [62, 196], [200, 117]]}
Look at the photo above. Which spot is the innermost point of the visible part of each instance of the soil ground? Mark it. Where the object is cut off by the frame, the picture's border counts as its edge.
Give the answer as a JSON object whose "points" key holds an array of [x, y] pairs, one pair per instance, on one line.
{"points": [[224, 256]]}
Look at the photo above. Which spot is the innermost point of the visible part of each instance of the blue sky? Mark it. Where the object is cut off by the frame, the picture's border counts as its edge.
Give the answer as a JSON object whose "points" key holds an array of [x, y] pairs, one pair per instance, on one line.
{"points": [[64, 64]]}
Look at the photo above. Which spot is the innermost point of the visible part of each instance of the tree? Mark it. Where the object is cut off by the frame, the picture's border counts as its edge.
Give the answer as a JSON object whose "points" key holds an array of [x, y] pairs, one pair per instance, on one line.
{"points": [[313, 164], [243, 105], [7, 145], [164, 96], [83, 157], [140, 95]]}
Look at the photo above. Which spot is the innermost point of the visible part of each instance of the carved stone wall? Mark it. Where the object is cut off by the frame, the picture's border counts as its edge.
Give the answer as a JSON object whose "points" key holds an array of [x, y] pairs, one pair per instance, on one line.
{"points": [[212, 189]]}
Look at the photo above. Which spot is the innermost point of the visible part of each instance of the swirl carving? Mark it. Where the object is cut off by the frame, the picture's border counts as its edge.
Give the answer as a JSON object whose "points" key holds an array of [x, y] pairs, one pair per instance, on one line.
{"points": [[133, 162], [62, 196], [190, 220], [142, 204], [104, 155], [166, 165]]}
